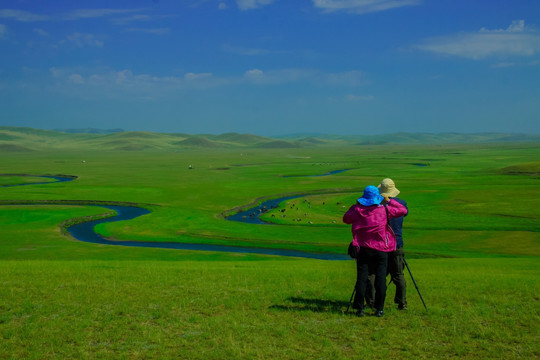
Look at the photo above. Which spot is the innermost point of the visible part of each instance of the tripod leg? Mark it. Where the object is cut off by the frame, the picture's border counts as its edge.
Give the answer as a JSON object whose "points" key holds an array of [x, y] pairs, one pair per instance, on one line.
{"points": [[350, 301], [414, 282]]}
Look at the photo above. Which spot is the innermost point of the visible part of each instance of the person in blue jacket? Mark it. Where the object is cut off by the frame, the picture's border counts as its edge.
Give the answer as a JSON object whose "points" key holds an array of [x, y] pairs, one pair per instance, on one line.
{"points": [[396, 261]]}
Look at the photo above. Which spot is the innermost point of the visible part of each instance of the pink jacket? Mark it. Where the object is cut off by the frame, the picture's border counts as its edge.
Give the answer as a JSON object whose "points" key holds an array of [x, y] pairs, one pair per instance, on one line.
{"points": [[369, 225]]}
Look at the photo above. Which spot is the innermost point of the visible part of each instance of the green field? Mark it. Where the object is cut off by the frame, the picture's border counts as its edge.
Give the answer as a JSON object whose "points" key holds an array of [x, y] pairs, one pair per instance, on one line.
{"points": [[472, 241]]}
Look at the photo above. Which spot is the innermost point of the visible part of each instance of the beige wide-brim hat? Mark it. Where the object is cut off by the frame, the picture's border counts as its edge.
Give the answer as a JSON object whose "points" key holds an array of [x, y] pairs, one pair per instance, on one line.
{"points": [[388, 187]]}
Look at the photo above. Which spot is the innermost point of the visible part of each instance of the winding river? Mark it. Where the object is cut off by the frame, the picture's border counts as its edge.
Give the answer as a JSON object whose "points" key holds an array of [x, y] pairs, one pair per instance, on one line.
{"points": [[85, 231], [56, 178], [327, 174]]}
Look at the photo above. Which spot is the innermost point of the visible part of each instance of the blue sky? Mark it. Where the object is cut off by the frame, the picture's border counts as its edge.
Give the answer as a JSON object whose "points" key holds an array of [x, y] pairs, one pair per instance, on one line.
{"points": [[272, 67]]}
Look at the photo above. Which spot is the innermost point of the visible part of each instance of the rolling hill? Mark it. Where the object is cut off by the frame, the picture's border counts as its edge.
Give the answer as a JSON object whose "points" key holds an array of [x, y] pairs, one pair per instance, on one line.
{"points": [[14, 139]]}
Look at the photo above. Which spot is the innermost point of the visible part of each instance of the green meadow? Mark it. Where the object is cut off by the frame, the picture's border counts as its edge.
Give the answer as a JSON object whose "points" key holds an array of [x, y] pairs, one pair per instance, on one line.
{"points": [[472, 241]]}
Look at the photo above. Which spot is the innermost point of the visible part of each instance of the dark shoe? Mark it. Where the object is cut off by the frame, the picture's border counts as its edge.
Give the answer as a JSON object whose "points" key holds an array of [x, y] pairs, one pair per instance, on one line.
{"points": [[360, 313], [402, 307], [379, 313]]}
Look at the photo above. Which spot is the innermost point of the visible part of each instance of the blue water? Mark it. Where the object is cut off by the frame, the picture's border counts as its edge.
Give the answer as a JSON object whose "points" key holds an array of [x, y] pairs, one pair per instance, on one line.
{"points": [[327, 174], [85, 232], [57, 178]]}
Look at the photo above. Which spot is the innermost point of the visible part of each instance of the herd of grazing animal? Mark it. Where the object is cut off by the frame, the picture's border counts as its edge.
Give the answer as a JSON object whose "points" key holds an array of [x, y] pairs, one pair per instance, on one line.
{"points": [[293, 206]]}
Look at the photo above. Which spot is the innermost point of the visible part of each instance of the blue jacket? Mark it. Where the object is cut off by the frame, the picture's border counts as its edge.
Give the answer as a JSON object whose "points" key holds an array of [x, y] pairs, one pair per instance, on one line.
{"points": [[397, 224]]}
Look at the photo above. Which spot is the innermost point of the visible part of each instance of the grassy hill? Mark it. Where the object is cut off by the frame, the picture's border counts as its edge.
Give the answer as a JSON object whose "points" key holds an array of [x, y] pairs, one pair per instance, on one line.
{"points": [[26, 139]]}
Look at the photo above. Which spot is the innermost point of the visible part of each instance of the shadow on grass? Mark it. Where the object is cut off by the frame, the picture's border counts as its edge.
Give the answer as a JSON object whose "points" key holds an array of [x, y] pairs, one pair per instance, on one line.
{"points": [[314, 305]]}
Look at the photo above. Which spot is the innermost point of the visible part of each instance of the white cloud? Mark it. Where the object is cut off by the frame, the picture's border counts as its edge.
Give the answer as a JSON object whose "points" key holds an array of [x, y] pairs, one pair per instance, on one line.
{"points": [[130, 19], [503, 65], [123, 76], [76, 79], [55, 72], [41, 32], [95, 13], [222, 6], [139, 18], [282, 76], [155, 31], [245, 51], [79, 82], [516, 26], [516, 40], [362, 6], [252, 4], [254, 74], [22, 16], [25, 16], [81, 40], [308, 76], [192, 76]]}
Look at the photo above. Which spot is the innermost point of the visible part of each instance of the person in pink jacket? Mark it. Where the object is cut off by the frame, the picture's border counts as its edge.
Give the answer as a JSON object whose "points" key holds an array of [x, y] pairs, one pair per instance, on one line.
{"points": [[371, 232]]}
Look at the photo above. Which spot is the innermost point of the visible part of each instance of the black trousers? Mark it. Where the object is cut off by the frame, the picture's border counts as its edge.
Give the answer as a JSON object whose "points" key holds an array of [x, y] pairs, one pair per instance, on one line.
{"points": [[396, 266], [370, 261]]}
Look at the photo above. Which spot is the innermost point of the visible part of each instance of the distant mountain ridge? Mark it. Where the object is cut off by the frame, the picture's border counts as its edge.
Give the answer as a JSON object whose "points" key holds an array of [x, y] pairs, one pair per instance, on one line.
{"points": [[90, 131], [17, 139], [421, 138]]}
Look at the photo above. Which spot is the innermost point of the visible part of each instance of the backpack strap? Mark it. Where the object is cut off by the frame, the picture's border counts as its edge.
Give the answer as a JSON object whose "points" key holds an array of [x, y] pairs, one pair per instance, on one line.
{"points": [[388, 227]]}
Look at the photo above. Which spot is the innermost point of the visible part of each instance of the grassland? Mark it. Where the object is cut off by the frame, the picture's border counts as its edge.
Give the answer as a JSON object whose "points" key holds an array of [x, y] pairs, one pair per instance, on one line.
{"points": [[472, 240]]}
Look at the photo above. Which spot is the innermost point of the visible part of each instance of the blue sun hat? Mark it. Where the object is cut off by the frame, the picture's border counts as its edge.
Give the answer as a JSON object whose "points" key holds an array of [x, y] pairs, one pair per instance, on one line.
{"points": [[371, 196]]}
